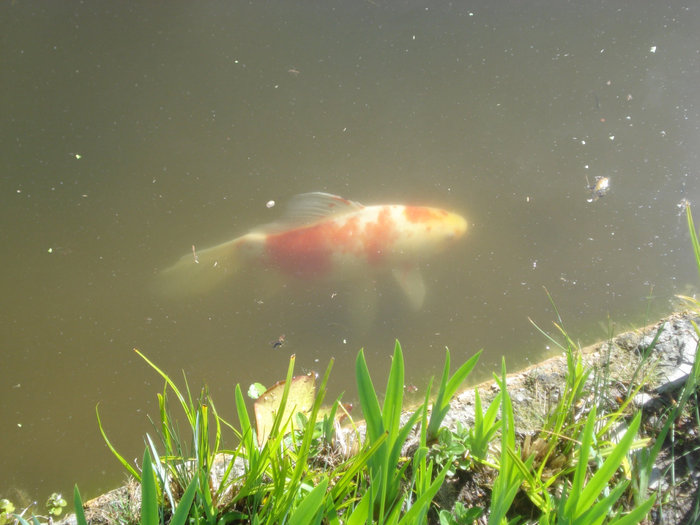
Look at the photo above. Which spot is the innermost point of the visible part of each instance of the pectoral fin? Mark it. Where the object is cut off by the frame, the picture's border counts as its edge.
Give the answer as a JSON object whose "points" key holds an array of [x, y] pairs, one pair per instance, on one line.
{"points": [[412, 284]]}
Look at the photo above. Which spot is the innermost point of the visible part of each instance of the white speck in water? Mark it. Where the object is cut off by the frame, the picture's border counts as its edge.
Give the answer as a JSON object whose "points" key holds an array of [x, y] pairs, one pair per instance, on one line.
{"points": [[652, 49], [612, 137], [270, 204], [583, 142]]}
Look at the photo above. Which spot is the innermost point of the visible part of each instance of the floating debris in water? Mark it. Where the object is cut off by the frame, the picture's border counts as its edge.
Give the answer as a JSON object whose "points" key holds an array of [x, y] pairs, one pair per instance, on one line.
{"points": [[599, 188], [270, 204], [280, 341], [255, 390], [682, 206]]}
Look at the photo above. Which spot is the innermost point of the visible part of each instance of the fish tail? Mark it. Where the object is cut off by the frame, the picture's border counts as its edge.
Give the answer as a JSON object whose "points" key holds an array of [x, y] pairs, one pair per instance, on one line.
{"points": [[200, 271]]}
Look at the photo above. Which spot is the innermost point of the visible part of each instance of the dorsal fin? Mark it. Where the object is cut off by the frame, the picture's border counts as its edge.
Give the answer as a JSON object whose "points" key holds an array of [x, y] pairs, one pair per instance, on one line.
{"points": [[308, 208]]}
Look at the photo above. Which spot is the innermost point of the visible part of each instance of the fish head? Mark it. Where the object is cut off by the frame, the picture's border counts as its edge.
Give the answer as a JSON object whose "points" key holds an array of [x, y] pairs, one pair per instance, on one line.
{"points": [[430, 230]]}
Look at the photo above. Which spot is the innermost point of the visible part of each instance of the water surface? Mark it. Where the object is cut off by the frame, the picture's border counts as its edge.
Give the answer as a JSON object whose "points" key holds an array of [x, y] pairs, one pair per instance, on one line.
{"points": [[132, 132]]}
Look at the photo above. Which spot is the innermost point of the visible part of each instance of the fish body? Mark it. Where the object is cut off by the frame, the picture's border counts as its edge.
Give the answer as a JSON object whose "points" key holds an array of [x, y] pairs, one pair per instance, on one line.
{"points": [[327, 237]]}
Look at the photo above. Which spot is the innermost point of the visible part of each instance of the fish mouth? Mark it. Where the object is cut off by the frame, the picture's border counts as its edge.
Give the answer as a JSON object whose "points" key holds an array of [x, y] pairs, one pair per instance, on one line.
{"points": [[459, 226], [454, 228]]}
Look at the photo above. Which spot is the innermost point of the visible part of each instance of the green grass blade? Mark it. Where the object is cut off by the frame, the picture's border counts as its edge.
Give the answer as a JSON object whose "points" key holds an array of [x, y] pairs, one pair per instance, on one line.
{"points": [[357, 464], [420, 506], [78, 504], [247, 433], [303, 451], [368, 399], [165, 423], [393, 400], [183, 508], [362, 513], [601, 478], [185, 406], [637, 514], [149, 494], [572, 503], [310, 505], [461, 374], [277, 423], [597, 513], [434, 425], [161, 472], [447, 389], [693, 237], [509, 477], [119, 457]]}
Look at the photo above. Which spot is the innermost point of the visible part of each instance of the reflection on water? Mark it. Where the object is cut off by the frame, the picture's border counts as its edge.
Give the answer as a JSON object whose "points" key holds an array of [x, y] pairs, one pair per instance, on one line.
{"points": [[132, 133]]}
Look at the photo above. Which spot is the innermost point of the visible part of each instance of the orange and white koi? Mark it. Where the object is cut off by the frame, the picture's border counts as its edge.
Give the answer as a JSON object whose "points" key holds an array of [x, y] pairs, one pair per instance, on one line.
{"points": [[324, 236]]}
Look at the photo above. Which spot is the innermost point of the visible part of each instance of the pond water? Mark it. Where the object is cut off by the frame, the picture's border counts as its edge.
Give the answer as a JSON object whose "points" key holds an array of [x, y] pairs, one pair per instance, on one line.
{"points": [[132, 133]]}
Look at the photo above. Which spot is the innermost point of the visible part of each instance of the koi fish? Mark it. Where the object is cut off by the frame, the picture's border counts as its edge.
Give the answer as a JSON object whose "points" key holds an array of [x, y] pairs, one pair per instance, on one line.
{"points": [[327, 237]]}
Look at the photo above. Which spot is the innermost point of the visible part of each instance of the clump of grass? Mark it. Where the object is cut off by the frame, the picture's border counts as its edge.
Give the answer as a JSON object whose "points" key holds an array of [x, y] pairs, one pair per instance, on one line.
{"points": [[279, 483]]}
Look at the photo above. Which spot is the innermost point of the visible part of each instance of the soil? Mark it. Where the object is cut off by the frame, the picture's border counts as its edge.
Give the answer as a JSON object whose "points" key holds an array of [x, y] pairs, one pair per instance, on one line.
{"points": [[623, 362]]}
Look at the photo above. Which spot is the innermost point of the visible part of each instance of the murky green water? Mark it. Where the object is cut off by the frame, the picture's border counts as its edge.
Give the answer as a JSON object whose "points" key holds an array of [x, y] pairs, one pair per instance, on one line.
{"points": [[130, 133]]}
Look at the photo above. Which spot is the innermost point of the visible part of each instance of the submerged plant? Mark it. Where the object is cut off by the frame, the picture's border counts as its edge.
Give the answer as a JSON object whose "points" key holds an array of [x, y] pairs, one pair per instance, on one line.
{"points": [[6, 510], [55, 504]]}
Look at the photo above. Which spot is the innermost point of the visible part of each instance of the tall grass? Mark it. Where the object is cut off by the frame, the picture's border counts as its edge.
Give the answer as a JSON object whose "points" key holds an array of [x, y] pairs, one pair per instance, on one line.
{"points": [[282, 483]]}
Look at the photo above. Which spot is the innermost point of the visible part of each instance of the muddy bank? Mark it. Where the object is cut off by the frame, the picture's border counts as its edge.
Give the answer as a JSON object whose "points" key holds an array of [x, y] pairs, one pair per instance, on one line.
{"points": [[624, 361], [535, 390], [659, 356]]}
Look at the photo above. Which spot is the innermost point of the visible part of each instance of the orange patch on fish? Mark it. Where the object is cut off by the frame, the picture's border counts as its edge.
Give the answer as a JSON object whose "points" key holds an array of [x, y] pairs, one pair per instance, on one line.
{"points": [[303, 252], [416, 214]]}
